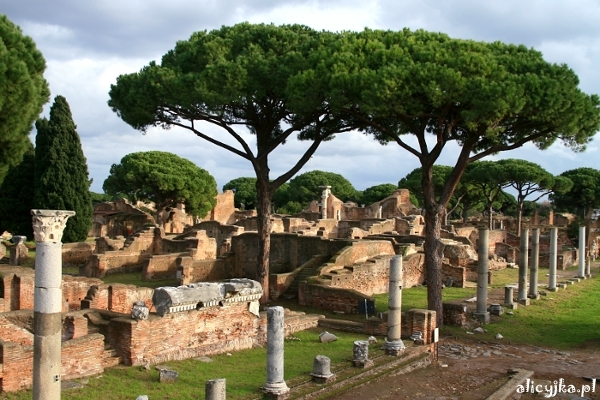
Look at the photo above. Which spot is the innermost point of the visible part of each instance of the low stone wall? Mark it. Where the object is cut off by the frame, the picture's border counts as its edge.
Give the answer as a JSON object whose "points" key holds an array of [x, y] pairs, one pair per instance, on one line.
{"points": [[74, 289], [206, 331], [17, 284], [414, 320], [191, 271], [13, 327], [454, 314], [77, 253], [330, 298], [458, 275], [162, 267], [80, 357], [116, 297], [113, 262]]}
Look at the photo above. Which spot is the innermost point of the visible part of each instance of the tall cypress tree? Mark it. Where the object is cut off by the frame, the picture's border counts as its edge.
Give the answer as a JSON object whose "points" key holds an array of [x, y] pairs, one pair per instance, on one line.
{"points": [[16, 196], [61, 174]]}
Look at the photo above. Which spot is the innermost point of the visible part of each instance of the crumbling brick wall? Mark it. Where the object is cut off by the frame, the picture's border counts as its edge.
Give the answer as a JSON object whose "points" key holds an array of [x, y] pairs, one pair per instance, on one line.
{"points": [[116, 297], [77, 253], [80, 357], [330, 298], [199, 332], [190, 271]]}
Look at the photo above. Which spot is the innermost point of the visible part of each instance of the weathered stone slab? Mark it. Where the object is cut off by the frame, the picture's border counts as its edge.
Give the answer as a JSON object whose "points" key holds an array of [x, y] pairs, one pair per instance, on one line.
{"points": [[205, 294], [326, 337]]}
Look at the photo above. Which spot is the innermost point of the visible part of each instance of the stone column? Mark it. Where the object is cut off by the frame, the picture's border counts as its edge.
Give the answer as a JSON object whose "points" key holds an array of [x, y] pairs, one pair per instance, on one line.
{"points": [[553, 257], [393, 343], [48, 226], [523, 258], [324, 197], [321, 372], [275, 387], [508, 297], [215, 389], [481, 314], [581, 269], [588, 268], [360, 353], [379, 212], [534, 266]]}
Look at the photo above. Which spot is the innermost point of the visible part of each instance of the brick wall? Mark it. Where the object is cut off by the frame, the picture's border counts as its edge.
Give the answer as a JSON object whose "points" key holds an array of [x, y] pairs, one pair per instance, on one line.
{"points": [[74, 289], [162, 267], [190, 271], [16, 327], [184, 335], [116, 297], [454, 314], [288, 251], [77, 253], [80, 357], [458, 275], [330, 298]]}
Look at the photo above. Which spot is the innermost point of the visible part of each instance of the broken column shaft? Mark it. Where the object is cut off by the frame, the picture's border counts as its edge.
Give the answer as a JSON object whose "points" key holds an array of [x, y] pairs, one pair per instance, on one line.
{"points": [[533, 268], [215, 389], [275, 387], [553, 259], [481, 314], [48, 226], [393, 344], [523, 258]]}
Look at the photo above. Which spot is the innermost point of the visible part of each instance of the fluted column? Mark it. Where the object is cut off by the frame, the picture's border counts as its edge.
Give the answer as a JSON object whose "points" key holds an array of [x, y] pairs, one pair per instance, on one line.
{"points": [[48, 226]]}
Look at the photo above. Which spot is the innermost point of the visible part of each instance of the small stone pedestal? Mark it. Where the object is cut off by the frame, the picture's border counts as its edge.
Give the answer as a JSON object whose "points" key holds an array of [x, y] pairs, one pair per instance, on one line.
{"points": [[322, 370], [361, 354], [394, 348], [482, 317], [508, 298], [496, 309]]}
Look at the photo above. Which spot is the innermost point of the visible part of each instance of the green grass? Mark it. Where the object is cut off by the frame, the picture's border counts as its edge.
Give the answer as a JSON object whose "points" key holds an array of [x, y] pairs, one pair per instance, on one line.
{"points": [[564, 319], [135, 278], [245, 372]]}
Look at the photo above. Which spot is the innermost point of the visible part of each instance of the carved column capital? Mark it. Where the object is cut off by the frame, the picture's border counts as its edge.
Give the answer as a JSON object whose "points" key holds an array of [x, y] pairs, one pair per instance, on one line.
{"points": [[48, 225]]}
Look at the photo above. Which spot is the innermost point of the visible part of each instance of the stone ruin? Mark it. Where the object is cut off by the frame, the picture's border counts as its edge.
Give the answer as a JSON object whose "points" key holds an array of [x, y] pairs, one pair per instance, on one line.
{"points": [[330, 263]]}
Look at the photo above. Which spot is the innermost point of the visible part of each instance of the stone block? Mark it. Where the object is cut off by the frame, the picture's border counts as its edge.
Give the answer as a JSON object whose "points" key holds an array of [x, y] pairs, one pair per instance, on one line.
{"points": [[326, 337], [535, 296], [483, 317], [524, 302], [167, 375]]}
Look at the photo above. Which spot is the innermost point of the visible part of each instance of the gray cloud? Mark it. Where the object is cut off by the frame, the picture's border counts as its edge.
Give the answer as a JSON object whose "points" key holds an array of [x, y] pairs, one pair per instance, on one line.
{"points": [[88, 44]]}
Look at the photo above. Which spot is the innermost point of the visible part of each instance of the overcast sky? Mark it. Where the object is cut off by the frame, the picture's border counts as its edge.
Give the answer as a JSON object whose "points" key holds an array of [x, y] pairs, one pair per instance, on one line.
{"points": [[87, 44]]}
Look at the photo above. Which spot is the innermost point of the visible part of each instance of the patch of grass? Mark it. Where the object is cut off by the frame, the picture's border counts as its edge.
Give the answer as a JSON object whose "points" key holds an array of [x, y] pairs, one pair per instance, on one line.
{"points": [[416, 297], [135, 278], [245, 372], [564, 319]]}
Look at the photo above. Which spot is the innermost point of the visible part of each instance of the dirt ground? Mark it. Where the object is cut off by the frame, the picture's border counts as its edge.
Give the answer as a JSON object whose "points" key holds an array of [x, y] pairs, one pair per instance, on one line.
{"points": [[474, 370]]}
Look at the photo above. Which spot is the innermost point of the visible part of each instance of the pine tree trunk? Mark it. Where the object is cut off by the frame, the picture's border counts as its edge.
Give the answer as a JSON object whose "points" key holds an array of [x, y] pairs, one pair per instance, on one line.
{"points": [[264, 235], [434, 251]]}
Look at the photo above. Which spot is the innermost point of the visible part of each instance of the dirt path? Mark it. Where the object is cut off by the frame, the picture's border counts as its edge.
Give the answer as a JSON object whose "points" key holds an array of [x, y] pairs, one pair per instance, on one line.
{"points": [[474, 370]]}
